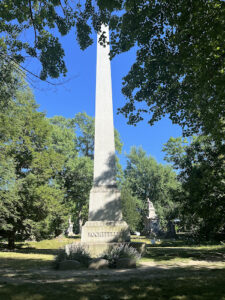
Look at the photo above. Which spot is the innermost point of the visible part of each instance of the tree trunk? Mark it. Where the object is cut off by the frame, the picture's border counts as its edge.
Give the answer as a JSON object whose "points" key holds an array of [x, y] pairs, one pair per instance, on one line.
{"points": [[11, 240]]}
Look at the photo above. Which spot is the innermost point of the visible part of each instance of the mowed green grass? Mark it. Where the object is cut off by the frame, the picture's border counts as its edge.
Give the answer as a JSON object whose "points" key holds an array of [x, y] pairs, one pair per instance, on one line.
{"points": [[192, 285], [170, 255], [175, 282], [33, 254]]}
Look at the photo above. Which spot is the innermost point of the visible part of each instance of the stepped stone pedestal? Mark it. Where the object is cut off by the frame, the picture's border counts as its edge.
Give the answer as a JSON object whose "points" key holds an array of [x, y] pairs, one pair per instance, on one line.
{"points": [[105, 225], [105, 232], [99, 236]]}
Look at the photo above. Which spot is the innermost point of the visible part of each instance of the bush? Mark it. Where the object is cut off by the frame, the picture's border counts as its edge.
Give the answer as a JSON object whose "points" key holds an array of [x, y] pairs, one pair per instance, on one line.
{"points": [[73, 252], [121, 251]]}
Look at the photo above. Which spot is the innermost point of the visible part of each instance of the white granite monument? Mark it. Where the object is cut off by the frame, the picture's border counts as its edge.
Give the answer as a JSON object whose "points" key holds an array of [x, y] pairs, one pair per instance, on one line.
{"points": [[105, 223], [69, 231], [151, 220]]}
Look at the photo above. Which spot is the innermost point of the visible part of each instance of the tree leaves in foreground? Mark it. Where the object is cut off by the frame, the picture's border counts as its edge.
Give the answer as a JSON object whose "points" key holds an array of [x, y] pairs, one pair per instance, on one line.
{"points": [[31, 29], [180, 61], [180, 57], [201, 167]]}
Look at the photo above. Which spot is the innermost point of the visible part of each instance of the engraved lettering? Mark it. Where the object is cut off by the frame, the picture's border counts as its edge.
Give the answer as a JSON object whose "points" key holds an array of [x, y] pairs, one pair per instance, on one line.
{"points": [[102, 234]]}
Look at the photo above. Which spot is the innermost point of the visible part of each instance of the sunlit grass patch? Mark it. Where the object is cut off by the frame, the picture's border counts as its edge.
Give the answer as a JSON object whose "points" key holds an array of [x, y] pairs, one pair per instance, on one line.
{"points": [[52, 244], [34, 254], [21, 261], [184, 254]]}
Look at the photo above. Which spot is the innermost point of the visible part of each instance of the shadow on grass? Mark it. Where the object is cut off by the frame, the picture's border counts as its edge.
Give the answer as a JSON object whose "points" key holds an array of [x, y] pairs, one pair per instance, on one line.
{"points": [[31, 250], [169, 284], [25, 264], [161, 253]]}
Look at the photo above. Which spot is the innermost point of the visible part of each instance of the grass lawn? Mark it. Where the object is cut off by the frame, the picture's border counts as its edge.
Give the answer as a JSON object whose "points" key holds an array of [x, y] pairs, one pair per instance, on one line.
{"points": [[175, 271]]}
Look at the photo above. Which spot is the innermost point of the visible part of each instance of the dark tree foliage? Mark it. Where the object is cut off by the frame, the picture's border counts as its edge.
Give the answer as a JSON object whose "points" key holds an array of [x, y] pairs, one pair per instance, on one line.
{"points": [[201, 172], [148, 179], [131, 207], [180, 61], [43, 21], [180, 57]]}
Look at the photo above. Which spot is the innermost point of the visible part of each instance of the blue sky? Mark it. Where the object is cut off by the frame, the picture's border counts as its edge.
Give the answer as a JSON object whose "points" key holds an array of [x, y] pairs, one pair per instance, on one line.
{"points": [[77, 94]]}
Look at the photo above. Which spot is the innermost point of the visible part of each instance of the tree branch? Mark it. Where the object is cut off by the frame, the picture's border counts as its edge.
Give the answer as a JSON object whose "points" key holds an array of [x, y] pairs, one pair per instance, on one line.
{"points": [[19, 67], [32, 19]]}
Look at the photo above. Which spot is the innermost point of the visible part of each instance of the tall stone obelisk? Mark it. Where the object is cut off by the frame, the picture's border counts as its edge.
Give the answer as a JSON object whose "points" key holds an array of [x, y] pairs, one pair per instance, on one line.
{"points": [[105, 222]]}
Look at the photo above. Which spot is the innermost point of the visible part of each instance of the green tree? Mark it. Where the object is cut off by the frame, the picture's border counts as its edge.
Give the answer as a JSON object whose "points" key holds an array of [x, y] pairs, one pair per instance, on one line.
{"points": [[131, 207], [28, 166], [85, 129], [78, 178], [180, 60], [77, 173], [148, 179], [74, 138], [179, 66], [201, 173], [43, 21], [64, 138]]}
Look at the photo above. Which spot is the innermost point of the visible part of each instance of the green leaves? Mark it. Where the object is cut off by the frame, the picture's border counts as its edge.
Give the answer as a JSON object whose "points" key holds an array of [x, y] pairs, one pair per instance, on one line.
{"points": [[28, 167], [131, 207], [148, 179], [201, 173], [180, 58], [179, 64]]}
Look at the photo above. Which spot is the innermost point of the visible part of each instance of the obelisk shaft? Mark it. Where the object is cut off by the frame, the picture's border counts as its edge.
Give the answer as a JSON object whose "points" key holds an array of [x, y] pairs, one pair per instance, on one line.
{"points": [[104, 203], [105, 223], [104, 158]]}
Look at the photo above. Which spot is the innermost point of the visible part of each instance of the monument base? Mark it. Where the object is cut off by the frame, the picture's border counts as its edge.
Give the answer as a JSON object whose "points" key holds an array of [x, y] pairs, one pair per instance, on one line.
{"points": [[105, 232], [99, 236]]}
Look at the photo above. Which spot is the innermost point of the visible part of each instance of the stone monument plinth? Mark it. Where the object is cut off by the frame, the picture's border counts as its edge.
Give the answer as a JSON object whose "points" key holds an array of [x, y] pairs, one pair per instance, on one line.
{"points": [[105, 225]]}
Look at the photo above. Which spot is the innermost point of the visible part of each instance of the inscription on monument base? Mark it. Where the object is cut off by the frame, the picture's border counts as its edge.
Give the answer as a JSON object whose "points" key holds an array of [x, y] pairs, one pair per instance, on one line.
{"points": [[105, 231], [102, 234]]}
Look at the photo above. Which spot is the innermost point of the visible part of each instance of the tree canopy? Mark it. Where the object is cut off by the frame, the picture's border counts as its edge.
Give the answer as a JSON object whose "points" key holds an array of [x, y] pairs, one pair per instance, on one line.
{"points": [[180, 58], [148, 179], [201, 173], [28, 167]]}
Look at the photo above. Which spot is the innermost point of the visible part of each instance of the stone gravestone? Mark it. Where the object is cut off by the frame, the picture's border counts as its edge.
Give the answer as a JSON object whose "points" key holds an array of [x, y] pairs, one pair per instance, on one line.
{"points": [[105, 223], [70, 228], [151, 221]]}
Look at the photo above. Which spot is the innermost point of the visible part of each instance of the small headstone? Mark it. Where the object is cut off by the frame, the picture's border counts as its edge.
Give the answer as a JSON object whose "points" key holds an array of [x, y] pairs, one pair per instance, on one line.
{"points": [[70, 228], [69, 265], [126, 263], [99, 263], [137, 233], [151, 221], [153, 241], [151, 210]]}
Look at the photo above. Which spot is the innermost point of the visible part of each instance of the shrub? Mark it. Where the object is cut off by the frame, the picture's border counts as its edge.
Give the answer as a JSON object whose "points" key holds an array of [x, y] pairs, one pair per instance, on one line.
{"points": [[73, 252], [121, 251]]}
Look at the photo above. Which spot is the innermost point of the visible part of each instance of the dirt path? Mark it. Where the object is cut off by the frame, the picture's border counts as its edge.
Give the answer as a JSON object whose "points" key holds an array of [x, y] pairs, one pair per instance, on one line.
{"points": [[144, 271]]}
